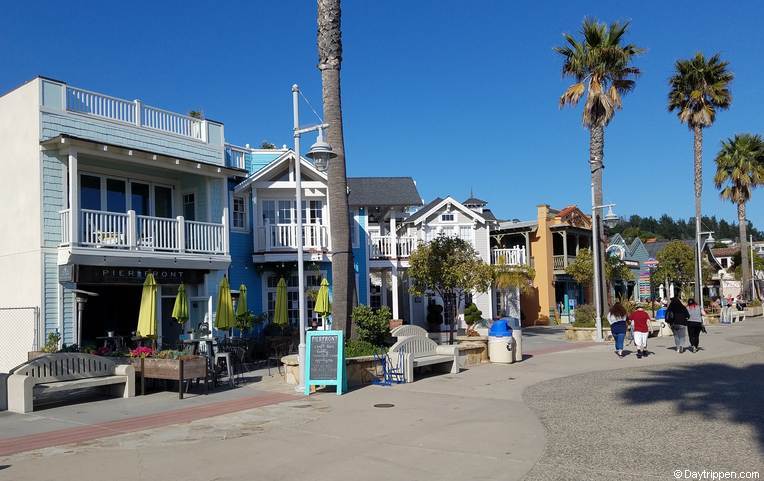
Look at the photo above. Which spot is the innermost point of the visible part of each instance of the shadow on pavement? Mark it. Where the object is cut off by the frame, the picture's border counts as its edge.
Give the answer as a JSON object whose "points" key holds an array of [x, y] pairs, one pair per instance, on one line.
{"points": [[713, 390]]}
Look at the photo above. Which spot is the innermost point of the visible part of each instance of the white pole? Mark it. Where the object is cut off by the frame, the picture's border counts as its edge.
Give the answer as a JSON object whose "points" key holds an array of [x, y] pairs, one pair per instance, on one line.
{"points": [[596, 281], [753, 272], [700, 273], [300, 262]]}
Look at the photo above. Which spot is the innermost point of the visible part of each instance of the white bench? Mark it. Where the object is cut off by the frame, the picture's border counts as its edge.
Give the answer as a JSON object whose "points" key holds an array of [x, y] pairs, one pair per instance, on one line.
{"points": [[66, 372], [422, 351], [408, 330], [737, 316]]}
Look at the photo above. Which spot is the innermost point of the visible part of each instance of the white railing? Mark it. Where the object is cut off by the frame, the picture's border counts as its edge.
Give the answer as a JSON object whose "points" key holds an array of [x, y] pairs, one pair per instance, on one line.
{"points": [[514, 256], [100, 105], [135, 113], [104, 229], [128, 231], [236, 157], [63, 216], [382, 246], [167, 121], [284, 236], [205, 237], [157, 233]]}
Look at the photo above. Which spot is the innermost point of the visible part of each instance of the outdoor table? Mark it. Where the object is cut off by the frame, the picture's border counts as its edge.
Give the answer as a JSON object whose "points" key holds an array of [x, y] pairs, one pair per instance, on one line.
{"points": [[118, 341], [209, 354]]}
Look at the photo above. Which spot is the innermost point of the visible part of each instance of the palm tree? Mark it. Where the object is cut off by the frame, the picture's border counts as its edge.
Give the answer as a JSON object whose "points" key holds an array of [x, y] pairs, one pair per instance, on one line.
{"points": [[329, 61], [511, 281], [699, 87], [602, 68], [739, 169]]}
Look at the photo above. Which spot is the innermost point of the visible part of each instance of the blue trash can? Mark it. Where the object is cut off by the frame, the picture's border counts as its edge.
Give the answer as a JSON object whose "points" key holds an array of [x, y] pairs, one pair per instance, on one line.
{"points": [[500, 342]]}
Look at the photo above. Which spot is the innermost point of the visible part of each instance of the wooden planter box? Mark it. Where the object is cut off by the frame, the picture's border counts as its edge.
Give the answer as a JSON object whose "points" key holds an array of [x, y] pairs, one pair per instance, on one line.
{"points": [[185, 368]]}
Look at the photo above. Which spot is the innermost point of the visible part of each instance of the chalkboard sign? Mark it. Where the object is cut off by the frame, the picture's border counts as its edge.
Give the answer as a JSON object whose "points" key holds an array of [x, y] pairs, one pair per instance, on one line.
{"points": [[325, 360]]}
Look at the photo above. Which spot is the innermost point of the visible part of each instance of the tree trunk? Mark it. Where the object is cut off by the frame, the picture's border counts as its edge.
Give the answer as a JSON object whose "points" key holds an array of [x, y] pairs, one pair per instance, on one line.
{"points": [[698, 148], [330, 59], [596, 157], [745, 259]]}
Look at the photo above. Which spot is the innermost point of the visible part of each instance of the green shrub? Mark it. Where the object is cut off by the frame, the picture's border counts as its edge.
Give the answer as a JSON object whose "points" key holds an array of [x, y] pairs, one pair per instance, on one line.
{"points": [[51, 343], [373, 326], [472, 314], [585, 316], [358, 347]]}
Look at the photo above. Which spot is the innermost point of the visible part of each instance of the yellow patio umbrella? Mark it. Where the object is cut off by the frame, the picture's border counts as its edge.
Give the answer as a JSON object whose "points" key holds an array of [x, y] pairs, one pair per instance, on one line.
{"points": [[322, 307], [180, 309], [241, 306], [224, 319], [280, 315], [147, 316]]}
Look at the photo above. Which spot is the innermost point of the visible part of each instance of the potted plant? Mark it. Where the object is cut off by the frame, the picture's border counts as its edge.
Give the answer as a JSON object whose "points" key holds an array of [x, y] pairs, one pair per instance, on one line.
{"points": [[472, 316]]}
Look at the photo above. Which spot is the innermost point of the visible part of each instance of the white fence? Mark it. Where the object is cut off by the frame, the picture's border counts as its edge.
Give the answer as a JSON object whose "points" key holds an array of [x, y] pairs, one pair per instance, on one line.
{"points": [[514, 256], [20, 332], [205, 237], [134, 112]]}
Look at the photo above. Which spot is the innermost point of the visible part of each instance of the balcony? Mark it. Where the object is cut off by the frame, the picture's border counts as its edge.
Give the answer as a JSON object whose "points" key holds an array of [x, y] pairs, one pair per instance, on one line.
{"points": [[122, 232], [283, 237], [561, 262], [385, 247], [515, 256]]}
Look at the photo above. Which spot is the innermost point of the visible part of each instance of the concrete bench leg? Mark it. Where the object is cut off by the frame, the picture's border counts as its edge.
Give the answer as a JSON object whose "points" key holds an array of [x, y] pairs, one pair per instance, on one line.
{"points": [[20, 393], [129, 387], [408, 360]]}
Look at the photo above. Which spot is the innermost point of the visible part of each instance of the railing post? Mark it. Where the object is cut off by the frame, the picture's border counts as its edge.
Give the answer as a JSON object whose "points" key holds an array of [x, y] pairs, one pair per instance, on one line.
{"points": [[225, 231], [132, 230], [181, 226], [204, 134], [74, 198], [138, 112]]}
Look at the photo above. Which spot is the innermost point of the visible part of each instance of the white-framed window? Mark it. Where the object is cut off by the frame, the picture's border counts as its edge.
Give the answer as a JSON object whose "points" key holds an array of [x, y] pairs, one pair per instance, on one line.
{"points": [[465, 233], [239, 217], [312, 282], [120, 194], [189, 206], [448, 217]]}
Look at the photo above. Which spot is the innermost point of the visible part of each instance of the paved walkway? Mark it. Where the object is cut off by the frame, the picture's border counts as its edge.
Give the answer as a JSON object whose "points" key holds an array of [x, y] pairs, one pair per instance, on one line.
{"points": [[474, 425]]}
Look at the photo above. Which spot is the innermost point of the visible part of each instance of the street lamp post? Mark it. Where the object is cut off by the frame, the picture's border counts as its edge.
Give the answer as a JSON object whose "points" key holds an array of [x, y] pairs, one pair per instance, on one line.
{"points": [[708, 241], [610, 220], [321, 152]]}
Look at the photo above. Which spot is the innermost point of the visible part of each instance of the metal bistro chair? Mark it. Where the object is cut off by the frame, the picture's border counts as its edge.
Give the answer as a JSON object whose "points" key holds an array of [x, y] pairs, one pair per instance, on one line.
{"points": [[390, 374], [278, 349]]}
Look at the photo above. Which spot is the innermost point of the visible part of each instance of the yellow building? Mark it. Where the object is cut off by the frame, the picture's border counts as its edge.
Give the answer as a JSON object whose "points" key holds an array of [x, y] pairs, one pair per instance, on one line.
{"points": [[552, 241]]}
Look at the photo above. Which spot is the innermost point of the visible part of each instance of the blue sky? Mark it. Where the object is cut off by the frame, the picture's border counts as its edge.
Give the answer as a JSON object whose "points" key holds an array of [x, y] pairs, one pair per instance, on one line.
{"points": [[456, 94]]}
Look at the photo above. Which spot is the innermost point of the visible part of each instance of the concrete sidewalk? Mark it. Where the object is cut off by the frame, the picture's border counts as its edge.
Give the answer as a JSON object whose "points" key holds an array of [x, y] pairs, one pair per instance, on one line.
{"points": [[473, 425]]}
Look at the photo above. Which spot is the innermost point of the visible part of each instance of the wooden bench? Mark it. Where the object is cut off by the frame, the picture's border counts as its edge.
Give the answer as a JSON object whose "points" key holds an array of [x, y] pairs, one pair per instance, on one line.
{"points": [[65, 372], [422, 351], [408, 330]]}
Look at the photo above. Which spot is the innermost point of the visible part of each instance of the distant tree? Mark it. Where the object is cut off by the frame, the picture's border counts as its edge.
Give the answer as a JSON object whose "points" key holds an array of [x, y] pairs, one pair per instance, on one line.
{"points": [[197, 114], [267, 145], [582, 268], [450, 267], [676, 263], [739, 170], [509, 278]]}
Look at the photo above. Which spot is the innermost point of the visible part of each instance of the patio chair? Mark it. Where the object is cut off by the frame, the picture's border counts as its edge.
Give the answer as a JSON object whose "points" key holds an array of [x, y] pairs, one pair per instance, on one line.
{"points": [[278, 349], [392, 373]]}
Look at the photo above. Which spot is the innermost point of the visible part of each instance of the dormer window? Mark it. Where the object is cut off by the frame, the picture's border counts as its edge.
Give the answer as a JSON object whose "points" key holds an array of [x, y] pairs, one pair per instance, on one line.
{"points": [[447, 217]]}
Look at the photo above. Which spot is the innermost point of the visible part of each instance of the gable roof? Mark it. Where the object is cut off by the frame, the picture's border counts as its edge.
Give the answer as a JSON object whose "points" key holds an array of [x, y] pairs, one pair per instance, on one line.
{"points": [[383, 191], [273, 167], [725, 251], [437, 204]]}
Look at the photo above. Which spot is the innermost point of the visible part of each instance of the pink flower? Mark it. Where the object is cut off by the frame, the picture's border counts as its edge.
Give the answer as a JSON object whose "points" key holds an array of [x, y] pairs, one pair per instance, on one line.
{"points": [[142, 351]]}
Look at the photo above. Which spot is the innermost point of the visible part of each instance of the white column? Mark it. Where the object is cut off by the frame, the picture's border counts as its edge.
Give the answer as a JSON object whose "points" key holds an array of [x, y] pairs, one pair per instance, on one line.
{"points": [[74, 200], [255, 218], [395, 291], [565, 247], [394, 249]]}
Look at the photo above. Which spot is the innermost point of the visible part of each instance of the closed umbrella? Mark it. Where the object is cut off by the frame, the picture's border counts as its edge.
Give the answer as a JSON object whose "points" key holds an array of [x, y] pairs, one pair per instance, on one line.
{"points": [[241, 306], [280, 316], [224, 319], [180, 309], [147, 316], [322, 307]]}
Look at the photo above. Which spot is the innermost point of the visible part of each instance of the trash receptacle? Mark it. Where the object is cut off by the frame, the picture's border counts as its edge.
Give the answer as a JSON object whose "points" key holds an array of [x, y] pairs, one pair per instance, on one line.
{"points": [[517, 335], [500, 342]]}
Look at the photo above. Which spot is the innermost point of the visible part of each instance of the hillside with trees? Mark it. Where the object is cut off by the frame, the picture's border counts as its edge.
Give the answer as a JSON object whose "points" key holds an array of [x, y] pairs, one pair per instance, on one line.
{"points": [[666, 228]]}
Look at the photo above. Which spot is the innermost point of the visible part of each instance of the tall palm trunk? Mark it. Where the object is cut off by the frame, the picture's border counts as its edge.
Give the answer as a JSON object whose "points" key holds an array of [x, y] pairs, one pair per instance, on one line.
{"points": [[698, 148], [330, 59], [745, 259], [596, 156]]}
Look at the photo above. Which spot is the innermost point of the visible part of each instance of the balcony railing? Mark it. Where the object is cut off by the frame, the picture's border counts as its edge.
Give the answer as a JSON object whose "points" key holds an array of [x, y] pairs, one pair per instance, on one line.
{"points": [[134, 112], [385, 247], [280, 237], [561, 262], [515, 256], [128, 231]]}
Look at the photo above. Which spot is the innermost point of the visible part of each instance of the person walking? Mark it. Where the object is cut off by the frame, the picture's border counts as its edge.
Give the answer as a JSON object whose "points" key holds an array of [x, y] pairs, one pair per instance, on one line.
{"points": [[695, 324], [617, 319], [676, 316], [639, 326]]}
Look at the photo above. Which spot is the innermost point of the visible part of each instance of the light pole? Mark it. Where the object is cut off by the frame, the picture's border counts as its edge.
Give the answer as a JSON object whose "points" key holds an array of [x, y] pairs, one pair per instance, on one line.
{"points": [[321, 152], [708, 241], [610, 220], [753, 272]]}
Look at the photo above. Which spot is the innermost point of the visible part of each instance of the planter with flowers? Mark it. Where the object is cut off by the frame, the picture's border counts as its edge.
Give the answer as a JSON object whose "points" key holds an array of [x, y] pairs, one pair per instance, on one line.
{"points": [[169, 365]]}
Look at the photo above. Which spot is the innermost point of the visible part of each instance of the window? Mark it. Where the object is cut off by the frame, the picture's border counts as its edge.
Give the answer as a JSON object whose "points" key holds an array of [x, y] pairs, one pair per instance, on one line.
{"points": [[116, 197], [189, 206], [447, 217], [449, 231], [111, 194], [269, 212], [316, 212], [465, 233], [285, 212], [163, 203], [239, 215], [139, 198], [312, 282], [90, 192]]}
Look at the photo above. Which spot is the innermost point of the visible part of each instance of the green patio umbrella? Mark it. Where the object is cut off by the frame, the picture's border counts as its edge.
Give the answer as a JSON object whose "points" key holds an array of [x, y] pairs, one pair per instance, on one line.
{"points": [[322, 307], [224, 319], [147, 316], [180, 309], [280, 315]]}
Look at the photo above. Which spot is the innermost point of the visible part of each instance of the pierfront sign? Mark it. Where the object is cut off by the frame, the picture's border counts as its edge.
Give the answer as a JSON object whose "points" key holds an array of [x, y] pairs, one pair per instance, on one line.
{"points": [[129, 275]]}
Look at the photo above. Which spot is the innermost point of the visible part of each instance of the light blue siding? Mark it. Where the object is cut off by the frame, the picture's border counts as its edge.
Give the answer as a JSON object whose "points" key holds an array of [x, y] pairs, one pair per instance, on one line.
{"points": [[255, 161], [215, 133], [52, 95], [360, 257], [56, 122]]}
